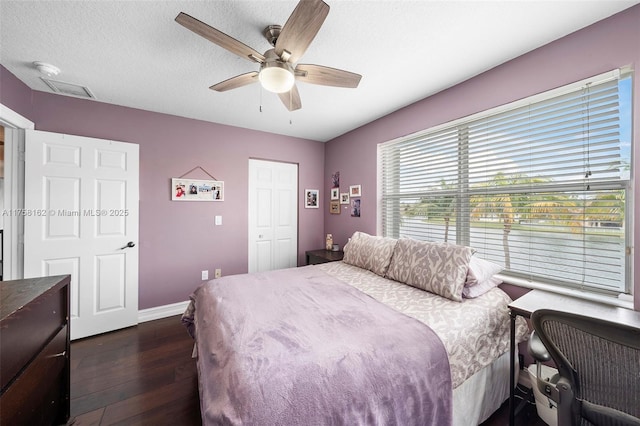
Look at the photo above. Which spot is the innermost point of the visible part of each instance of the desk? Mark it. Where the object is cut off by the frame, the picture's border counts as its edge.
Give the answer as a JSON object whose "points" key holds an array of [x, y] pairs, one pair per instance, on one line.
{"points": [[538, 299]]}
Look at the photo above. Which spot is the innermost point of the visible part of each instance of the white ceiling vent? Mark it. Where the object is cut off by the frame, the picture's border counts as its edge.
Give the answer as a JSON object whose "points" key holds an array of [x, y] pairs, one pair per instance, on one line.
{"points": [[69, 88]]}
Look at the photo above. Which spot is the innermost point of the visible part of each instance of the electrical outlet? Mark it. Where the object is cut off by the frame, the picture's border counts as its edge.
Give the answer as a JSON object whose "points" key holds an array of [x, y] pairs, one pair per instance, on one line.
{"points": [[205, 275], [218, 273]]}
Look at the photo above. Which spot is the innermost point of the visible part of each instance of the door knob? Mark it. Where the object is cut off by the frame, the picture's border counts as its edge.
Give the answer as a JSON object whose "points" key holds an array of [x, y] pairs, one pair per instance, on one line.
{"points": [[130, 244]]}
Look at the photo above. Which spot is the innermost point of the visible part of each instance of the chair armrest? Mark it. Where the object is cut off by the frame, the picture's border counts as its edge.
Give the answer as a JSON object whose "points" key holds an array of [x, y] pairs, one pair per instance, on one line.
{"points": [[536, 349]]}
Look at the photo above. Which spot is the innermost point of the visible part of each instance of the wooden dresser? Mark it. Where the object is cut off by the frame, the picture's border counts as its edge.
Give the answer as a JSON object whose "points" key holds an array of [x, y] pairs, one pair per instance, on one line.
{"points": [[34, 351]]}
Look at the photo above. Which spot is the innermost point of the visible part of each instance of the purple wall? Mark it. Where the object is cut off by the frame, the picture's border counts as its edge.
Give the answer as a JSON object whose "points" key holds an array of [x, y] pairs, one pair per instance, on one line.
{"points": [[178, 240], [14, 93], [606, 45]]}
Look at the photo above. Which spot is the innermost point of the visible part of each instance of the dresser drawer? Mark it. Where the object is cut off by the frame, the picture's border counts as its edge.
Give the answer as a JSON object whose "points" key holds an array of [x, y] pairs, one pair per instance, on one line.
{"points": [[27, 330], [36, 396]]}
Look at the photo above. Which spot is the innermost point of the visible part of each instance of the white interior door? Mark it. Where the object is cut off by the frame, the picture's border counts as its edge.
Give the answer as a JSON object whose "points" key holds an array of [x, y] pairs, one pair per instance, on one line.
{"points": [[273, 215], [81, 218]]}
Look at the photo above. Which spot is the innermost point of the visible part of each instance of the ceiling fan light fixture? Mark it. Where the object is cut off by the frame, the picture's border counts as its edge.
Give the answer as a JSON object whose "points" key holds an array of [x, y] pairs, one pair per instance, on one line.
{"points": [[276, 77]]}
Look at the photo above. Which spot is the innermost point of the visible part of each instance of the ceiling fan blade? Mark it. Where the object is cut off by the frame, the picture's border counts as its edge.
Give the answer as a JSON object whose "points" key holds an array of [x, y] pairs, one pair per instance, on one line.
{"points": [[235, 82], [300, 29], [326, 76], [219, 38], [291, 99]]}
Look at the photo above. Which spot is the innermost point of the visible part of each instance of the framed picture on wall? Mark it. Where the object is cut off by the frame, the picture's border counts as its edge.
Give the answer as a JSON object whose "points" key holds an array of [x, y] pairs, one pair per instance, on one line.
{"points": [[335, 180], [344, 198], [355, 191], [311, 198], [185, 189], [334, 207], [355, 208], [335, 193]]}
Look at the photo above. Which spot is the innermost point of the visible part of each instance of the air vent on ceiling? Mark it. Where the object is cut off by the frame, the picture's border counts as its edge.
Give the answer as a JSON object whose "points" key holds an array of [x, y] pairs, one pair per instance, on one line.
{"points": [[69, 88]]}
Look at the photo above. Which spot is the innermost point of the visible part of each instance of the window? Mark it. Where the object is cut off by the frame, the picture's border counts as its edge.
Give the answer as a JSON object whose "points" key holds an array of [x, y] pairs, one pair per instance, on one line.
{"points": [[541, 186]]}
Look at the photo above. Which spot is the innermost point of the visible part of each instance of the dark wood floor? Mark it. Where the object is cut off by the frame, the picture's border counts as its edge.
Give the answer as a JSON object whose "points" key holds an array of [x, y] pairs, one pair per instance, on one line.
{"points": [[145, 375], [526, 416], [142, 375]]}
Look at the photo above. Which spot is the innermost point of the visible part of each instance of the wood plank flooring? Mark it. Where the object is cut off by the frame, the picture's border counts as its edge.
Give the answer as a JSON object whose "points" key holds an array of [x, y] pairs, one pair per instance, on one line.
{"points": [[142, 375], [145, 375]]}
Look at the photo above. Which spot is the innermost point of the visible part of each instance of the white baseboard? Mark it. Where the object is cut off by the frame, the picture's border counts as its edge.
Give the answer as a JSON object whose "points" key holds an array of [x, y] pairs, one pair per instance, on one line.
{"points": [[159, 312]]}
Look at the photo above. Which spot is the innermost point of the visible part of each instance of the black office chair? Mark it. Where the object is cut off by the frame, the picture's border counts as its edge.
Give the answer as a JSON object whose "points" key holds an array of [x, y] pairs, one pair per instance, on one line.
{"points": [[599, 368]]}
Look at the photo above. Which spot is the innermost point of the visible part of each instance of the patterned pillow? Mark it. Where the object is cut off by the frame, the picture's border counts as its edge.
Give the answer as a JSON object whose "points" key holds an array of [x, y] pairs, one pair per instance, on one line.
{"points": [[369, 252], [439, 268]]}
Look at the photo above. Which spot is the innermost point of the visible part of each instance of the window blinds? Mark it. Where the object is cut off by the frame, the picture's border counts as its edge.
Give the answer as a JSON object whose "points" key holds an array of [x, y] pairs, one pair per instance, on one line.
{"points": [[540, 187]]}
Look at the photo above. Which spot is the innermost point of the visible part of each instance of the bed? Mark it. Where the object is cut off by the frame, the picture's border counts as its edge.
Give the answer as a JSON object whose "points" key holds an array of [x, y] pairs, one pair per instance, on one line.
{"points": [[384, 337]]}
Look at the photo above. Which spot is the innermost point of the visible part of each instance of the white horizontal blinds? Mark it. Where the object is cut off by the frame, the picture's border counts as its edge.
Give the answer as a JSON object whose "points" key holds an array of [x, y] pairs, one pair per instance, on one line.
{"points": [[554, 139], [420, 187], [540, 188], [567, 237], [534, 172]]}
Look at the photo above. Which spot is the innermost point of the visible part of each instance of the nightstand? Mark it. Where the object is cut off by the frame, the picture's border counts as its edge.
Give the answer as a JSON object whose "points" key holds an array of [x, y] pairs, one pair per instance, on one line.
{"points": [[323, 256]]}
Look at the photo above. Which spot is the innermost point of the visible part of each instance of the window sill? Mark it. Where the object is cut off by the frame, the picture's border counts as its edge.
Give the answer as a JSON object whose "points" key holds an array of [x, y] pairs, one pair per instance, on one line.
{"points": [[622, 301]]}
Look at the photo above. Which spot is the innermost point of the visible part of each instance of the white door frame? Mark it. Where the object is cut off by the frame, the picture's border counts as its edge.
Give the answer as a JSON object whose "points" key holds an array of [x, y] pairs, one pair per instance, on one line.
{"points": [[13, 224]]}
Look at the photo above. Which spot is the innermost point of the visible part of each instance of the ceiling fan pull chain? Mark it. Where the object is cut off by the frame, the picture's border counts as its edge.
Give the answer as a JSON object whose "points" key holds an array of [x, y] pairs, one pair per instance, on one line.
{"points": [[260, 99]]}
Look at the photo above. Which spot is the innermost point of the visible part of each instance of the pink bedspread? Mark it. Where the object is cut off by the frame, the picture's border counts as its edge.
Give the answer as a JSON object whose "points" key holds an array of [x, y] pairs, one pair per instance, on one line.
{"points": [[299, 347]]}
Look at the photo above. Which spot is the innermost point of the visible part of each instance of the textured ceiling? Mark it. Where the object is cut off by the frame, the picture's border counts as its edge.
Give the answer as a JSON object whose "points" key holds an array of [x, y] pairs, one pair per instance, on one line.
{"points": [[133, 53]]}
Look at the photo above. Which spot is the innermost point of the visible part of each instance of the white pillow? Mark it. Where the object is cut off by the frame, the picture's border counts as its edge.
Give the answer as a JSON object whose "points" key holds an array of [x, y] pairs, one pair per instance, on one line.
{"points": [[480, 277], [480, 271], [480, 288]]}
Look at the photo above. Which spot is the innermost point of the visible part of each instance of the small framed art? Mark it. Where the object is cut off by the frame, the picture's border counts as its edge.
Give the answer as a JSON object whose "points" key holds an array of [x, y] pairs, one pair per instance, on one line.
{"points": [[355, 191], [344, 198], [334, 207], [311, 198], [184, 189], [355, 208], [335, 180], [335, 193]]}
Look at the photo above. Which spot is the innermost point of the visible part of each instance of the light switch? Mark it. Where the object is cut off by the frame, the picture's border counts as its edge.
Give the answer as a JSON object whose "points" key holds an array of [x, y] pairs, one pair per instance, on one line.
{"points": [[218, 220]]}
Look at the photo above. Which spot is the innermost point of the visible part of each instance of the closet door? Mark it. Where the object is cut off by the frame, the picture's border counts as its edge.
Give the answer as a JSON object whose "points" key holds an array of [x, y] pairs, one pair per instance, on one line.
{"points": [[273, 215]]}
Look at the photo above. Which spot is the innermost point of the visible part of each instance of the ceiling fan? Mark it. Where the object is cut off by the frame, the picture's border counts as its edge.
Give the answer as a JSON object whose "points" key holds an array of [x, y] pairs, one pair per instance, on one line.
{"points": [[278, 66]]}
